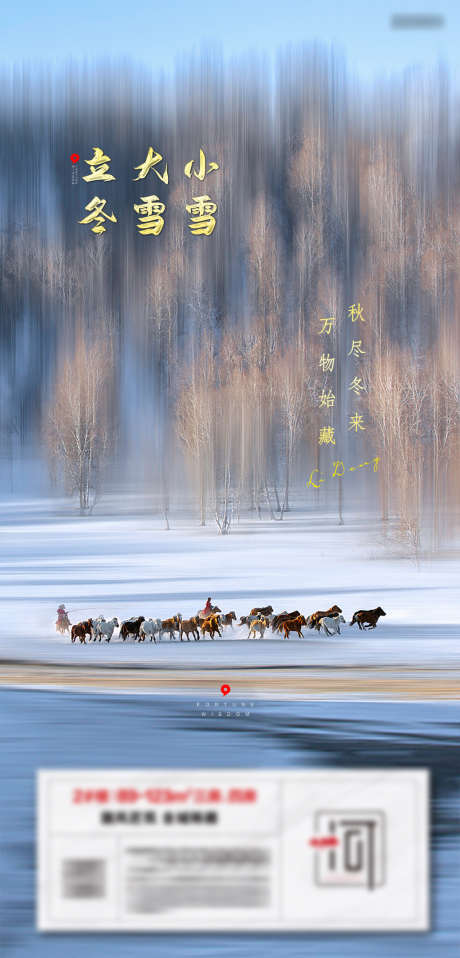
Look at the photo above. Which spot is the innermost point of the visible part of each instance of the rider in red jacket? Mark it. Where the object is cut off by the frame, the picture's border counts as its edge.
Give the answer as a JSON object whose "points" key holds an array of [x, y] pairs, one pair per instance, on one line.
{"points": [[62, 622]]}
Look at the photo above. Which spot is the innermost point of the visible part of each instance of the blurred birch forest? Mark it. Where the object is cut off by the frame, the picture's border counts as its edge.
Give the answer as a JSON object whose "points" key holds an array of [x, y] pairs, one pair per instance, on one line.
{"points": [[190, 365]]}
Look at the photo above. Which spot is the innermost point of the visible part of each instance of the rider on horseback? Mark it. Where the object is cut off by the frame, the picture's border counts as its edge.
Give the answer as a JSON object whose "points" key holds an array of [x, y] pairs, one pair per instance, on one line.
{"points": [[208, 607], [208, 610], [62, 619]]}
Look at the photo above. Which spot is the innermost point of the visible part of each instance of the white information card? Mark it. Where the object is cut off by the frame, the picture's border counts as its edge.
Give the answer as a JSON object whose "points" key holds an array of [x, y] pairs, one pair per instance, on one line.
{"points": [[233, 850]]}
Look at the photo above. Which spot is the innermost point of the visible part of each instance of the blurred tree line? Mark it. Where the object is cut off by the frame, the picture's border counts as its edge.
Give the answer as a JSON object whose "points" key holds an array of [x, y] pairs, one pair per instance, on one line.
{"points": [[193, 362]]}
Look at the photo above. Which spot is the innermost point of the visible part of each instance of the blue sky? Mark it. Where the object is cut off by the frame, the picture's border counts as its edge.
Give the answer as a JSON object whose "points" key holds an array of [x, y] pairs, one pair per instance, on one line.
{"points": [[158, 32]]}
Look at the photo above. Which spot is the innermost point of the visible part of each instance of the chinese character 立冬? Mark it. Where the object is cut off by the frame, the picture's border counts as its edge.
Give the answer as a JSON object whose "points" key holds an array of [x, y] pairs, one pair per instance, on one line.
{"points": [[98, 166], [96, 215]]}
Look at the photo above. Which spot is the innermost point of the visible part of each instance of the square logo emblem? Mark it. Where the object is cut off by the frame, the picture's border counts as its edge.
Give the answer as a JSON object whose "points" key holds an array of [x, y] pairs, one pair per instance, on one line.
{"points": [[349, 848]]}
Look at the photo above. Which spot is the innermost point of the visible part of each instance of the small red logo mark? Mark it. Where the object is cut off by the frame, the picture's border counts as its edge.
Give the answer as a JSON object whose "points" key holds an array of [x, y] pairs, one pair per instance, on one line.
{"points": [[74, 157], [328, 841], [225, 689]]}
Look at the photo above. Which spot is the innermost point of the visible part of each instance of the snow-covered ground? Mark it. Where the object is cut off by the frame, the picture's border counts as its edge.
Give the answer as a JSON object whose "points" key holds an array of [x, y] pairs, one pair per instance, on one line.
{"points": [[131, 566]]}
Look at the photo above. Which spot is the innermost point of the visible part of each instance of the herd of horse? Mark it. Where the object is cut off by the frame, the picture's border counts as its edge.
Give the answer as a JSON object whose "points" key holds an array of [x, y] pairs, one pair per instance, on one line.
{"points": [[326, 621]]}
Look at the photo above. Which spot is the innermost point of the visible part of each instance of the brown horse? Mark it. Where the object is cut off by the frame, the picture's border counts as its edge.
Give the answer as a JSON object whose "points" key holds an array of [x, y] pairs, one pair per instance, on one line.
{"points": [[228, 618], [187, 626], [282, 618], [171, 625], [211, 625], [294, 625], [313, 620], [367, 619], [80, 630]]}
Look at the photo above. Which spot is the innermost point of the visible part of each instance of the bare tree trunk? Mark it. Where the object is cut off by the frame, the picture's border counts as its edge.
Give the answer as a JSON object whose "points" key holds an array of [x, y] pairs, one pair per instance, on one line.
{"points": [[202, 505], [286, 484]]}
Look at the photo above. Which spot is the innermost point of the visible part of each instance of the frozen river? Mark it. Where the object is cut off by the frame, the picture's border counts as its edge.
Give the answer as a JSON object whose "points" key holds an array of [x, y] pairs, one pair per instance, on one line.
{"points": [[67, 729]]}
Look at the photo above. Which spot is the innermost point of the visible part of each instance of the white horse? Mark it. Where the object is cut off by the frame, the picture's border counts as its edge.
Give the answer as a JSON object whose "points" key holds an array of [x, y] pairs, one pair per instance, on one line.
{"points": [[95, 628], [258, 625], [330, 624], [249, 619], [106, 629], [149, 627]]}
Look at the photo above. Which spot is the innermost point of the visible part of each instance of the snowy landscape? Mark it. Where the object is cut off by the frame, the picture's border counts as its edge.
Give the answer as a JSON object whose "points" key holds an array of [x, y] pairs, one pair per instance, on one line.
{"points": [[267, 412], [130, 566], [259, 403]]}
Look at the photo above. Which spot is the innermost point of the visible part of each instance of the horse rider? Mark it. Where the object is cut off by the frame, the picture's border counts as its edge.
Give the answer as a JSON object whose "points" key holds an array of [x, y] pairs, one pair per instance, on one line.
{"points": [[207, 609], [62, 617]]}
